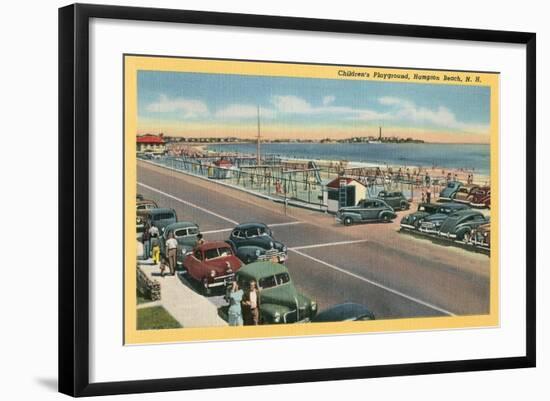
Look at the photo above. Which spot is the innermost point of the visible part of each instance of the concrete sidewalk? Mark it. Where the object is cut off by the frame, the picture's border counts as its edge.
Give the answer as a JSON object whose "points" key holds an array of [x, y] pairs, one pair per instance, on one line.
{"points": [[188, 307], [182, 302]]}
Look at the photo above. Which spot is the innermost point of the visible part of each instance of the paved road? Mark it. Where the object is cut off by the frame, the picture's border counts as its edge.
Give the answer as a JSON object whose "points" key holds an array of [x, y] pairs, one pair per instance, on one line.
{"points": [[395, 275]]}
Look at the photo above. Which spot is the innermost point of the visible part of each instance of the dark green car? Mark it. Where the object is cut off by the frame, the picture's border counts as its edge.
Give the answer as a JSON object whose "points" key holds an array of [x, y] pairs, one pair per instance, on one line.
{"points": [[185, 232], [280, 302], [395, 199]]}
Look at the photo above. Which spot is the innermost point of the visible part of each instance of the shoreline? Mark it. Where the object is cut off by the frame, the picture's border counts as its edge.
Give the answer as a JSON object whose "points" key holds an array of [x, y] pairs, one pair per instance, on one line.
{"points": [[481, 178]]}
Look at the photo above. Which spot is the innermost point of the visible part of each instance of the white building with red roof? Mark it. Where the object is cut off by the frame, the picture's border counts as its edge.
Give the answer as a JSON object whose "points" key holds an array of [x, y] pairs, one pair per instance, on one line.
{"points": [[150, 143], [342, 192]]}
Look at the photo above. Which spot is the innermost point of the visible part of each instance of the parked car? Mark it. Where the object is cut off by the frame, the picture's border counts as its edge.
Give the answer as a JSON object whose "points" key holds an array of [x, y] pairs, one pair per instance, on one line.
{"points": [[450, 190], [280, 302], [213, 264], [347, 311], [413, 220], [254, 242], [431, 223], [395, 199], [481, 236], [185, 232], [160, 217], [365, 211], [459, 225], [146, 204], [480, 197], [464, 192]]}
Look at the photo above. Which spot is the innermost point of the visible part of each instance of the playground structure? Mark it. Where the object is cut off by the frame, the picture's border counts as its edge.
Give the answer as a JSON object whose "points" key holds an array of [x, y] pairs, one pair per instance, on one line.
{"points": [[306, 180]]}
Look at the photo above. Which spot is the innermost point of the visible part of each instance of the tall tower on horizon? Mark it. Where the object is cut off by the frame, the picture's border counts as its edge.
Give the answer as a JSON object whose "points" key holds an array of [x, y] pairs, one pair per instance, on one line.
{"points": [[380, 133]]}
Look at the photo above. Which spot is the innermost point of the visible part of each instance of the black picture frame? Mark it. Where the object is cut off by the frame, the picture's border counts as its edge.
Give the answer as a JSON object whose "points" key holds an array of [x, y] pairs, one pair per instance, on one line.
{"points": [[74, 198]]}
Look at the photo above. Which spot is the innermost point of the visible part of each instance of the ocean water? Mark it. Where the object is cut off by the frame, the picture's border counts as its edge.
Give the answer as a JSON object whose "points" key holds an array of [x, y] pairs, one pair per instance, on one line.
{"points": [[466, 156]]}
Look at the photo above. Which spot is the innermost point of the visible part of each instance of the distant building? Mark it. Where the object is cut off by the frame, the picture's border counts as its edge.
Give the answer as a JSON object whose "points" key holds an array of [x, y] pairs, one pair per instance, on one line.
{"points": [[150, 143]]}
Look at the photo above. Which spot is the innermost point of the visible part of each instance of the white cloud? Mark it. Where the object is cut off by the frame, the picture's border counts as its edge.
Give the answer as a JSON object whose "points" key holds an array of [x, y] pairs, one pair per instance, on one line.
{"points": [[292, 104], [328, 100], [244, 111], [371, 115], [297, 105], [441, 116], [190, 108]]}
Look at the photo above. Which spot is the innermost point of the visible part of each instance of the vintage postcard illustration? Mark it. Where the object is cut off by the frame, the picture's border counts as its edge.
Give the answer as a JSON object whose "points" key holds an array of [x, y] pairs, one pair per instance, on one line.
{"points": [[268, 199]]}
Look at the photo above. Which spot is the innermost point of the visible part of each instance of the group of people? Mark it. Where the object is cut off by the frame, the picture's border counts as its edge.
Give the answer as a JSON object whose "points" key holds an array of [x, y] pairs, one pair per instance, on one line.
{"points": [[151, 240], [244, 306]]}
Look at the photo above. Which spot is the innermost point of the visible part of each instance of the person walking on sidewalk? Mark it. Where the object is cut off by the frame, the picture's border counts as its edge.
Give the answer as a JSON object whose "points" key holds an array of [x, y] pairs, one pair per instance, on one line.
{"points": [[154, 231], [155, 243], [252, 303], [235, 314], [171, 250], [146, 239]]}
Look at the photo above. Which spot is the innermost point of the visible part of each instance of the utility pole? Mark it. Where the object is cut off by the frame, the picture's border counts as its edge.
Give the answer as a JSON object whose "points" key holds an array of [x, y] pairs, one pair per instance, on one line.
{"points": [[380, 133], [258, 158]]}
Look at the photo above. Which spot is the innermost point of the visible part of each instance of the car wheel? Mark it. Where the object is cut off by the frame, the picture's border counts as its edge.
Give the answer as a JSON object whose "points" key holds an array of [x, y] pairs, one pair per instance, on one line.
{"points": [[467, 237], [386, 218], [348, 221], [404, 205]]}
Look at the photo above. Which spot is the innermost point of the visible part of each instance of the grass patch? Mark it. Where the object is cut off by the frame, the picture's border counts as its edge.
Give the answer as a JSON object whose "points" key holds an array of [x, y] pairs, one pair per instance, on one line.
{"points": [[155, 318]]}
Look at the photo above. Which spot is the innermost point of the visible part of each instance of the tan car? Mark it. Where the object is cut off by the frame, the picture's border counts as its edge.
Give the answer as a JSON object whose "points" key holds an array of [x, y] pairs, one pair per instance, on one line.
{"points": [[481, 236], [464, 192], [142, 206]]}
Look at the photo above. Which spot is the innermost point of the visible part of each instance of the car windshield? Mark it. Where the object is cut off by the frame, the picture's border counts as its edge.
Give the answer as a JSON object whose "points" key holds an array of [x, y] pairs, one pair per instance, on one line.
{"points": [[184, 232], [272, 281], [217, 253], [451, 185], [257, 232], [423, 208], [163, 216]]}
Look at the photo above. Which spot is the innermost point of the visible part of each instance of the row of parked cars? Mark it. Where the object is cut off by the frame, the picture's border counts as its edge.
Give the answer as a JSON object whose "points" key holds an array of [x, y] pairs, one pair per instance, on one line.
{"points": [[250, 254], [453, 217], [452, 220], [470, 194], [383, 207]]}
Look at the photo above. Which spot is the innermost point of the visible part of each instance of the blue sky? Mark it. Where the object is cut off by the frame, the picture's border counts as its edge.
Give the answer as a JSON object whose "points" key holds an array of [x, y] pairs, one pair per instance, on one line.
{"points": [[169, 99]]}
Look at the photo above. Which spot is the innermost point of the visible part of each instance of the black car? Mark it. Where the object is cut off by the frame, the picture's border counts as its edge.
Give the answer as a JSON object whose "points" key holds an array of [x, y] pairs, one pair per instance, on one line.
{"points": [[348, 311], [395, 199], [460, 225], [431, 211], [254, 242]]}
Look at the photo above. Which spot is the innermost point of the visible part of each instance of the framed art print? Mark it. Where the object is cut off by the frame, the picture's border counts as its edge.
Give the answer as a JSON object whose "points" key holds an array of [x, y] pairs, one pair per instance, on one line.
{"points": [[342, 199]]}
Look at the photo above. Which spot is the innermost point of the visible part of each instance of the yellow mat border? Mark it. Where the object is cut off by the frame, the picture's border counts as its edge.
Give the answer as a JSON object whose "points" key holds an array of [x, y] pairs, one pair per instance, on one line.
{"points": [[135, 63]]}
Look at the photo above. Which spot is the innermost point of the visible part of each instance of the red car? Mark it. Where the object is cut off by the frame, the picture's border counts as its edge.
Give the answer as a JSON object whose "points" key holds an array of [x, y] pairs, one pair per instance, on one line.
{"points": [[480, 197], [213, 264]]}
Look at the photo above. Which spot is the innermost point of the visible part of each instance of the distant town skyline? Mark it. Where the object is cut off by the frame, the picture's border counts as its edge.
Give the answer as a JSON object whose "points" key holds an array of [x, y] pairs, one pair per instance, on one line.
{"points": [[225, 105]]}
